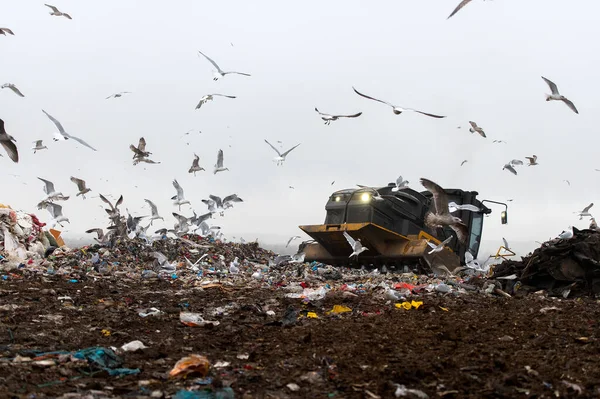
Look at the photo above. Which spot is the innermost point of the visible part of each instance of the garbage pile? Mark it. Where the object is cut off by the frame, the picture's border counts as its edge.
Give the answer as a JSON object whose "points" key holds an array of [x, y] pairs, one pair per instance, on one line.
{"points": [[562, 267]]}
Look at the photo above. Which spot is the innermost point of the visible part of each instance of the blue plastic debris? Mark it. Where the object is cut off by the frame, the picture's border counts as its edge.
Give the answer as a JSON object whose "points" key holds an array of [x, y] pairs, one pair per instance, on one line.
{"points": [[73, 281], [104, 359], [223, 393]]}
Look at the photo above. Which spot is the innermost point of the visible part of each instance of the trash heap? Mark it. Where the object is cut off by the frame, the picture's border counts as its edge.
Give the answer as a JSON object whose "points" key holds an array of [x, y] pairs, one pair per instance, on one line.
{"points": [[562, 267]]}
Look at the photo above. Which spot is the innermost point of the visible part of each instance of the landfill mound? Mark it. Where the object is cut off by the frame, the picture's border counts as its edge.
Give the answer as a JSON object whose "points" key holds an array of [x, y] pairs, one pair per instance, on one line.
{"points": [[561, 267]]}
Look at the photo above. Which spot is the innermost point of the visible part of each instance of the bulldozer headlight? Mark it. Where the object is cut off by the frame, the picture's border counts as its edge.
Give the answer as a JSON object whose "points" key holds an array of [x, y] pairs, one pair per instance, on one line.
{"points": [[338, 198], [365, 197]]}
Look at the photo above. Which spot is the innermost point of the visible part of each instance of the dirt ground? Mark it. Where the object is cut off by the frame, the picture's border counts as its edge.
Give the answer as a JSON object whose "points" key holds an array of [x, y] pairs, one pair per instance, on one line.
{"points": [[468, 346]]}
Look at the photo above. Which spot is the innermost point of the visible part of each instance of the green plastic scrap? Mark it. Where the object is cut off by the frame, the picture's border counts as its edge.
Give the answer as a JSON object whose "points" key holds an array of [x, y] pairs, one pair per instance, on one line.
{"points": [[223, 393]]}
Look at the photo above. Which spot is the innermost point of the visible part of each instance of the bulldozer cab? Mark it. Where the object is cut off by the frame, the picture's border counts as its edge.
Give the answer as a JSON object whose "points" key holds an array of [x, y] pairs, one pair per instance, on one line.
{"points": [[391, 224]]}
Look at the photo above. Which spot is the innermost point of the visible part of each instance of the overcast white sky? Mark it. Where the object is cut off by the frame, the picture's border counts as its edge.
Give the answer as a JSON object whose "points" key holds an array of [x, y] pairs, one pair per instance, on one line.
{"points": [[484, 64]]}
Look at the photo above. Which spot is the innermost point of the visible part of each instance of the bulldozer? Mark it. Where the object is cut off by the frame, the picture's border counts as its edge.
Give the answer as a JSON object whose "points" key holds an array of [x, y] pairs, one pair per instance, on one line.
{"points": [[390, 223]]}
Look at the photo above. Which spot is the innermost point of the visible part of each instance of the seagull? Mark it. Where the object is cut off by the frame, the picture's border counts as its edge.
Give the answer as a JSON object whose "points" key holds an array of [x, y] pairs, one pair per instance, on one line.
{"points": [[400, 184], [140, 150], [463, 162], [440, 246], [557, 96], [13, 88], [117, 95], [63, 134], [453, 207], [219, 73], [471, 262], [81, 186], [474, 128], [568, 182], [51, 193], [182, 225], [585, 211], [510, 168], [55, 211], [102, 238], [280, 159], [532, 160], [4, 31], [505, 243], [567, 234], [144, 159], [461, 5], [8, 142], [57, 13], [39, 146], [292, 187], [195, 167], [210, 97], [593, 224], [328, 118], [516, 162], [442, 216], [292, 239], [356, 245], [397, 110], [179, 199], [154, 211], [219, 165], [498, 141]]}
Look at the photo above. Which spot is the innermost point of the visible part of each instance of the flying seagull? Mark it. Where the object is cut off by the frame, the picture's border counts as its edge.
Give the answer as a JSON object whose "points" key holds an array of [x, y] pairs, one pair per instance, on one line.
{"points": [[140, 150], [57, 13], [510, 168], [442, 216], [55, 211], [83, 190], [328, 118], [516, 162], [585, 211], [440, 246], [102, 238], [400, 184], [117, 95], [195, 167], [532, 160], [397, 110], [457, 9], [219, 73], [219, 165], [474, 128], [280, 159], [292, 239], [8, 142], [356, 245], [453, 207], [63, 134], [178, 198], [4, 31], [210, 97], [463, 162], [51, 193], [154, 211], [568, 182], [39, 146], [13, 88], [557, 96], [499, 141]]}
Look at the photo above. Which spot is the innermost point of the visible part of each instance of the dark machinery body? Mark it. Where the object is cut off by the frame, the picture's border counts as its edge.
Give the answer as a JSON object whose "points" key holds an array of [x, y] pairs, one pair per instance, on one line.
{"points": [[391, 224]]}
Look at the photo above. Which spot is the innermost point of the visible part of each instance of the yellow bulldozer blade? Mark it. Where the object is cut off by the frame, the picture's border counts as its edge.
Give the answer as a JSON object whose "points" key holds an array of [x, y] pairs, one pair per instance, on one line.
{"points": [[384, 246]]}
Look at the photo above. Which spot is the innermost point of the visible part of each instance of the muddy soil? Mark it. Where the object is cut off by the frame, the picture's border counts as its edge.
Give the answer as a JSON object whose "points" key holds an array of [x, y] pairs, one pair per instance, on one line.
{"points": [[469, 346]]}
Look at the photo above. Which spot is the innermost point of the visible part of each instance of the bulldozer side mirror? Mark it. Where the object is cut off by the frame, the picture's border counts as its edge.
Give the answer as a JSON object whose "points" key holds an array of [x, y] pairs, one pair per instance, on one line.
{"points": [[504, 217]]}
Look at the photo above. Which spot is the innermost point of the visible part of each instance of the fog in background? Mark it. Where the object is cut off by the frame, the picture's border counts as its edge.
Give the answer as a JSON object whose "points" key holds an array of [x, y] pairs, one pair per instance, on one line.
{"points": [[484, 64]]}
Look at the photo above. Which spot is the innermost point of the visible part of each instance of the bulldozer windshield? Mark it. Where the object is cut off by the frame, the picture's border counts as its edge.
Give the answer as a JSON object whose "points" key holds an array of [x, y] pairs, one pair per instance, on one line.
{"points": [[475, 233]]}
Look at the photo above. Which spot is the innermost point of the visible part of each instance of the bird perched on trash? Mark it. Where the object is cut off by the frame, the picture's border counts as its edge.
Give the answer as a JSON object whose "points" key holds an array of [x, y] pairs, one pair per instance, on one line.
{"points": [[397, 109], [567, 234], [219, 165], [210, 97], [38, 146], [400, 184], [154, 211], [357, 247], [57, 13], [178, 198], [328, 118], [585, 211], [505, 243], [442, 216], [593, 225], [474, 128], [8, 142], [280, 158], [13, 88], [440, 246], [556, 96], [4, 31], [195, 165], [83, 190], [532, 160], [219, 73]]}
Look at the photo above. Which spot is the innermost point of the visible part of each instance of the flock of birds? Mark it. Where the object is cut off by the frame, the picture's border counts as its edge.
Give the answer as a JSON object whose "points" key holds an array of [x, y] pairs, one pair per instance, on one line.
{"points": [[439, 216]]}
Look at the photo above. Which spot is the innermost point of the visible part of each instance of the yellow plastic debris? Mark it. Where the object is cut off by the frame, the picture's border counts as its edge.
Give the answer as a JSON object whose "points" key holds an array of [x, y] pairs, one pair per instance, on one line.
{"points": [[416, 304], [444, 309], [339, 309], [106, 333], [312, 315], [409, 305]]}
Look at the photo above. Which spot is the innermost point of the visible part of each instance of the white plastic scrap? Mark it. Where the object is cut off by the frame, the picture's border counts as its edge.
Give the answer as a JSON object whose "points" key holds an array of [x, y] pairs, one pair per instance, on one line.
{"points": [[402, 391], [149, 312], [133, 346]]}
